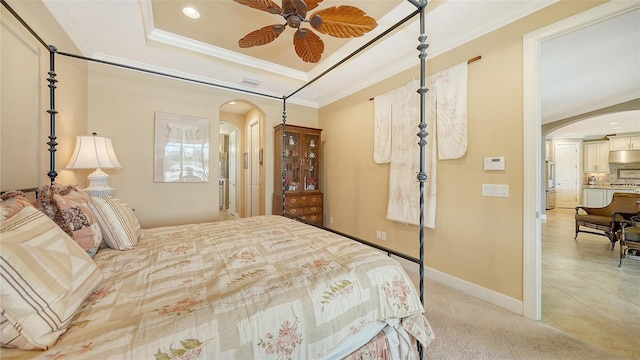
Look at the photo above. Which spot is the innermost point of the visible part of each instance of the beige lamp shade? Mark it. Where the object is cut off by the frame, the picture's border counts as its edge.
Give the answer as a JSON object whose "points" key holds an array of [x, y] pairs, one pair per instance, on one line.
{"points": [[93, 152]]}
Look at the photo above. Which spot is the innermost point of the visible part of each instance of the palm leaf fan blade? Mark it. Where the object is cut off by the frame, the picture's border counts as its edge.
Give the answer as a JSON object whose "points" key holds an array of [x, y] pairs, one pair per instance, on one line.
{"points": [[308, 45], [344, 21], [312, 4], [264, 5], [261, 36]]}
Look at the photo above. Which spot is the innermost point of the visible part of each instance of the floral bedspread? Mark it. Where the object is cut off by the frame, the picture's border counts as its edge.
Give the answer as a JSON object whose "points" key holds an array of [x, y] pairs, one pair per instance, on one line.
{"points": [[257, 288]]}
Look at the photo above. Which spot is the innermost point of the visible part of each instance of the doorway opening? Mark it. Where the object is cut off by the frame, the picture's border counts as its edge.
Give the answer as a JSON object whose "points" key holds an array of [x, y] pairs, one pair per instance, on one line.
{"points": [[241, 141], [532, 278]]}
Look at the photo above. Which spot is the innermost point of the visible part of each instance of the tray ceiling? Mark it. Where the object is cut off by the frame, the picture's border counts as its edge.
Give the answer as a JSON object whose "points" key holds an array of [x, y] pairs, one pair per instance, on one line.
{"points": [[155, 34]]}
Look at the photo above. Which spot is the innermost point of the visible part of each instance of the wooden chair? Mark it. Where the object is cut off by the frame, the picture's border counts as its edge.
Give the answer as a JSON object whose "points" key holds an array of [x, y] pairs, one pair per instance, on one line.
{"points": [[607, 220], [629, 237]]}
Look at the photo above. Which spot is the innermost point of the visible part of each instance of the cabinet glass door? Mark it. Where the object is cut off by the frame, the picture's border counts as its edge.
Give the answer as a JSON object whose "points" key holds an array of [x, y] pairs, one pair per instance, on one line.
{"points": [[292, 180], [311, 161]]}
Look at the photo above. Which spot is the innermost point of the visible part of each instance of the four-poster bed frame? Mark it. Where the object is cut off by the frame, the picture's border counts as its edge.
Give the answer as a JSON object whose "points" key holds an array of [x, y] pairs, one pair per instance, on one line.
{"points": [[422, 133]]}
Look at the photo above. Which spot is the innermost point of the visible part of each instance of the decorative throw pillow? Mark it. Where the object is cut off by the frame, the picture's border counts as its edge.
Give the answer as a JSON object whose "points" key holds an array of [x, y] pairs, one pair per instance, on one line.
{"points": [[46, 277], [120, 228], [68, 207], [11, 202]]}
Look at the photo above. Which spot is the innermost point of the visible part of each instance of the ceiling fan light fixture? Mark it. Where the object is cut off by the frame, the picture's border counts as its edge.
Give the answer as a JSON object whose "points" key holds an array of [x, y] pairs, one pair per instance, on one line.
{"points": [[316, 21], [294, 21], [190, 12], [301, 33]]}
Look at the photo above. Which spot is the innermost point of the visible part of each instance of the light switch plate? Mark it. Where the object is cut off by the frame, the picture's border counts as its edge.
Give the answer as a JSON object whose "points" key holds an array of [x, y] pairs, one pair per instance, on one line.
{"points": [[497, 190]]}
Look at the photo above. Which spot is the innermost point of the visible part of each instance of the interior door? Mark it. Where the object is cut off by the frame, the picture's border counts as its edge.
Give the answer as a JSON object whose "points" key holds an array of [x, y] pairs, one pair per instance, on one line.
{"points": [[233, 159], [255, 168], [567, 159]]}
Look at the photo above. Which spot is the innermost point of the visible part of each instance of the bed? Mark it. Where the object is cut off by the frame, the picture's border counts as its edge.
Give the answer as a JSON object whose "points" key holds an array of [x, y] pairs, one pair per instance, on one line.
{"points": [[259, 287], [262, 287]]}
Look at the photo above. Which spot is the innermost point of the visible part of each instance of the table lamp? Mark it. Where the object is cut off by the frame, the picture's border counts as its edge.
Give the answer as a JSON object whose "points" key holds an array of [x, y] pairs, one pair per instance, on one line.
{"points": [[95, 152]]}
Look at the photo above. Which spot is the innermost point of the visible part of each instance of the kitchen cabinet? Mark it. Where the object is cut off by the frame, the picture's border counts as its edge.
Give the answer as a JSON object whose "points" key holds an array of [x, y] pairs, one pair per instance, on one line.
{"points": [[594, 197], [596, 156], [297, 172], [626, 142], [600, 197]]}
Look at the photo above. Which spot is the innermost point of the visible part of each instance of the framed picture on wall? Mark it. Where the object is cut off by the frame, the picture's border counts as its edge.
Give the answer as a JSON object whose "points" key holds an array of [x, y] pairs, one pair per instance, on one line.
{"points": [[181, 148]]}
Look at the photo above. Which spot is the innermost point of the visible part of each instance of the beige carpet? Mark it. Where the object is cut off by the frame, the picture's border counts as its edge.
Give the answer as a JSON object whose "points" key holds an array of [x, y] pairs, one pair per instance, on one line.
{"points": [[468, 328]]}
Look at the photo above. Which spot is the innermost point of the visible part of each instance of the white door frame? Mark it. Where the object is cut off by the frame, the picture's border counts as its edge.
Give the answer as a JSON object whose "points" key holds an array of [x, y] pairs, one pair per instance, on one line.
{"points": [[532, 274], [233, 171], [252, 167]]}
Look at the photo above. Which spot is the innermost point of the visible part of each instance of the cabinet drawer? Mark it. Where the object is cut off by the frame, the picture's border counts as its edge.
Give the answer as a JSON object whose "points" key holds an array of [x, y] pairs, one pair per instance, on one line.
{"points": [[297, 211], [303, 200], [294, 201], [316, 218], [312, 200], [313, 210]]}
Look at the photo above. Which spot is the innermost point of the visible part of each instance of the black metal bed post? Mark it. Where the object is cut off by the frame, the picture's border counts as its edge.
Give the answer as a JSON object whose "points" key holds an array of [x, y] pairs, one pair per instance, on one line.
{"points": [[283, 159], [52, 114], [422, 134]]}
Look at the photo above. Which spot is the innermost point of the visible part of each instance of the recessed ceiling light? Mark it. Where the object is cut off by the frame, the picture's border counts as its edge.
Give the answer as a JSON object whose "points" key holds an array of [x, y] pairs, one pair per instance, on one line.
{"points": [[232, 102], [191, 12]]}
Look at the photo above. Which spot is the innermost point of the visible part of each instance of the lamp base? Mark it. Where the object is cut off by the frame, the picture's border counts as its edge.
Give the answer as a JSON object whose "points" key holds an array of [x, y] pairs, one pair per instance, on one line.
{"points": [[99, 185]]}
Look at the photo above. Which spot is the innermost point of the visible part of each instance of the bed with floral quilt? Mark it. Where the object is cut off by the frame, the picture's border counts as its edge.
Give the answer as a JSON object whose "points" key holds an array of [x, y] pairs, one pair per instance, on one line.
{"points": [[264, 287]]}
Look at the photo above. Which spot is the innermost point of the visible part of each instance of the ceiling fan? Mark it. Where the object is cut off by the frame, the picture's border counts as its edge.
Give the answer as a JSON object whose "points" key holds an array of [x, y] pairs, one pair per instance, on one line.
{"points": [[342, 21]]}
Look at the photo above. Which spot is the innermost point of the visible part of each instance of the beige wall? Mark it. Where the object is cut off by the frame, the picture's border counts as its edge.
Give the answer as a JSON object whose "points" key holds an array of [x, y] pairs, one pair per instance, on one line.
{"points": [[477, 239], [122, 107], [24, 123]]}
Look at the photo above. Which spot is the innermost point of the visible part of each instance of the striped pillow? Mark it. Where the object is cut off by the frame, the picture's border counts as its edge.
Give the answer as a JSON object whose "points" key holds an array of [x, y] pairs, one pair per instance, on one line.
{"points": [[46, 277], [120, 227]]}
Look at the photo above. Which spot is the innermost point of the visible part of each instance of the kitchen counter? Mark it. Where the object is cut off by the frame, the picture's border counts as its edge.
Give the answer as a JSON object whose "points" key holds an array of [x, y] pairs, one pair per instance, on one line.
{"points": [[612, 187]]}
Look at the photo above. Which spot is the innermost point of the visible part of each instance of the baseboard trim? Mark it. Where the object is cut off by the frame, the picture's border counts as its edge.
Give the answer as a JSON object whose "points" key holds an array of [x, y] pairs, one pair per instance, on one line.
{"points": [[488, 295]]}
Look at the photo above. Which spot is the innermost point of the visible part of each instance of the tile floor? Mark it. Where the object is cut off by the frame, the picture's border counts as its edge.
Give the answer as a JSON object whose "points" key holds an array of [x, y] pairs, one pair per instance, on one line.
{"points": [[584, 293]]}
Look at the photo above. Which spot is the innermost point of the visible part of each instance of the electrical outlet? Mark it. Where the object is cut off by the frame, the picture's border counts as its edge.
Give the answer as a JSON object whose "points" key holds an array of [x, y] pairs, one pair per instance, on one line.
{"points": [[330, 219], [381, 235], [378, 234]]}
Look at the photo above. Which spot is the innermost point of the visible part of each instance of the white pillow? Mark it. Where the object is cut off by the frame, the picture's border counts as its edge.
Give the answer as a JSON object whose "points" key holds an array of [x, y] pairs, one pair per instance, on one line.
{"points": [[120, 228], [46, 276]]}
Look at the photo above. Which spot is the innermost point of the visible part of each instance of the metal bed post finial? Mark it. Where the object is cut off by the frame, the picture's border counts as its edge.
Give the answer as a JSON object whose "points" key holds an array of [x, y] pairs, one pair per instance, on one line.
{"points": [[52, 114]]}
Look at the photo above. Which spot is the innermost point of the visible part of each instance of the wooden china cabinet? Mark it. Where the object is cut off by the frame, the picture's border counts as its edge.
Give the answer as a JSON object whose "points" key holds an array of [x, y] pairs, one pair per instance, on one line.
{"points": [[299, 174]]}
